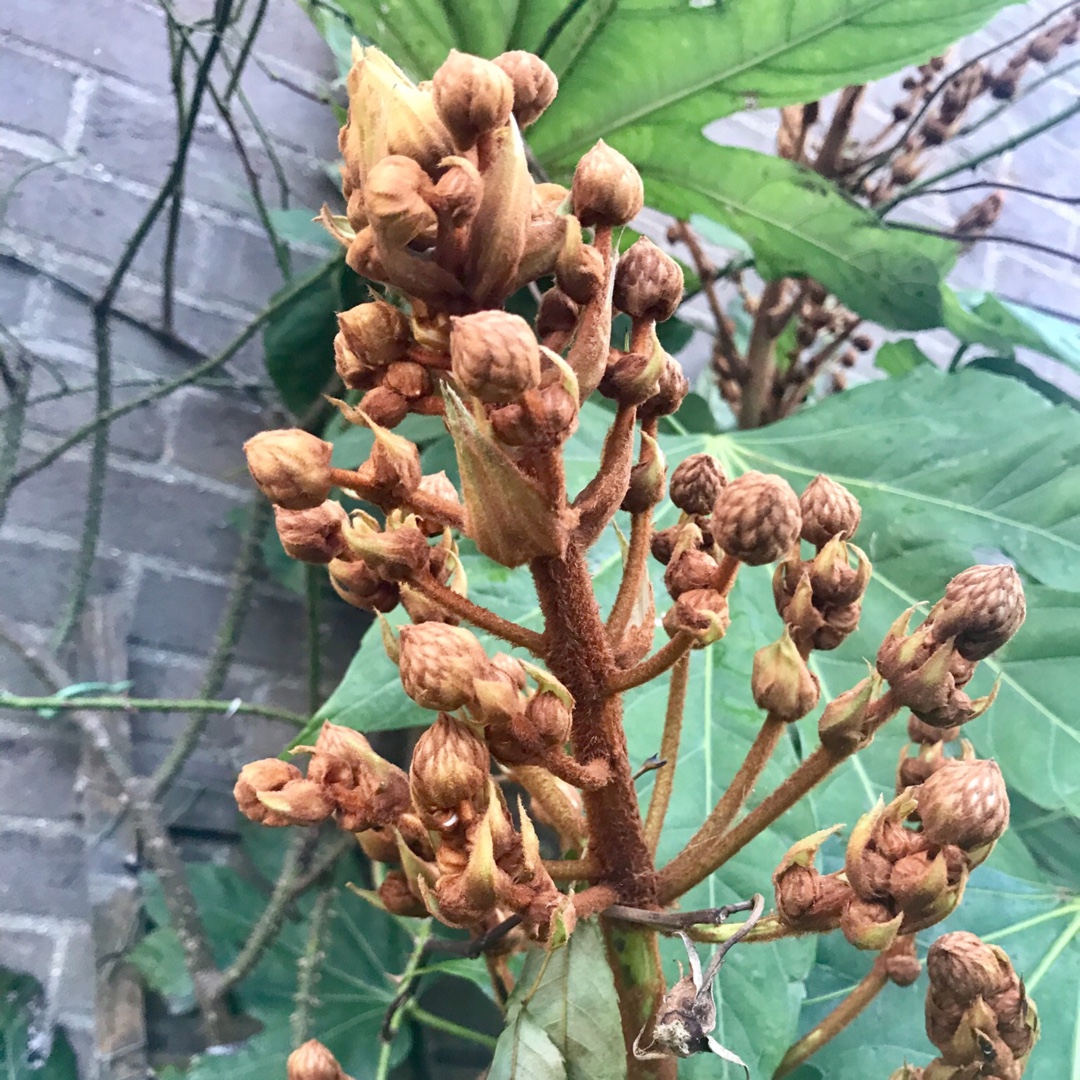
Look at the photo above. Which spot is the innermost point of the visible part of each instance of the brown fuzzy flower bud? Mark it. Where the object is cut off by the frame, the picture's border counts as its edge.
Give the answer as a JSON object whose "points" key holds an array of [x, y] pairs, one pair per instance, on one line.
{"points": [[702, 613], [313, 1061], [962, 968], [449, 766], [472, 96], [312, 536], [269, 774], [399, 899], [354, 373], [757, 518], [781, 682], [648, 282], [696, 484], [439, 486], [439, 664], [688, 570], [835, 583], [407, 378], [291, 467], [901, 964], [828, 509], [842, 726], [983, 607], [299, 802], [964, 803], [558, 313], [548, 719], [396, 554], [459, 191], [384, 406], [672, 389], [397, 201], [392, 469], [376, 334], [632, 378], [647, 482], [535, 84], [607, 189], [495, 355], [579, 272], [869, 924], [357, 584]]}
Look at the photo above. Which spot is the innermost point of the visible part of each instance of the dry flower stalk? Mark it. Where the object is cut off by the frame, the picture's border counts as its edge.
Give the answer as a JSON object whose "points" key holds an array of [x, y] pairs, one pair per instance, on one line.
{"points": [[443, 212]]}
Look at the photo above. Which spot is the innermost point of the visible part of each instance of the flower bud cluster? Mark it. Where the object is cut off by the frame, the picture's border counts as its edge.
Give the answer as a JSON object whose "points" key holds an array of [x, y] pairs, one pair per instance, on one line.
{"points": [[978, 1013], [821, 598], [927, 668]]}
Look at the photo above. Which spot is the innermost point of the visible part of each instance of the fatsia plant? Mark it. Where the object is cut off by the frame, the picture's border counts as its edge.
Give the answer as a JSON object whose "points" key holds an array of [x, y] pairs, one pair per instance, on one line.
{"points": [[576, 873]]}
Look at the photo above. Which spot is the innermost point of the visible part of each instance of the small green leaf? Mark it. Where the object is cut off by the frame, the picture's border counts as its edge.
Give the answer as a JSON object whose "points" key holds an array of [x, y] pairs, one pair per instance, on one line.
{"points": [[31, 1046], [899, 357], [301, 226], [524, 1052]]}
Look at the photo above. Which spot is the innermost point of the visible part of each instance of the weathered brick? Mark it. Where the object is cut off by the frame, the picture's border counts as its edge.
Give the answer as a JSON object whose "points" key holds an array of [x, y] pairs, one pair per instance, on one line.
{"points": [[121, 37], [289, 116], [210, 433], [37, 95], [14, 286], [43, 874], [129, 136], [211, 333], [75, 989], [36, 775], [231, 263], [28, 951]]}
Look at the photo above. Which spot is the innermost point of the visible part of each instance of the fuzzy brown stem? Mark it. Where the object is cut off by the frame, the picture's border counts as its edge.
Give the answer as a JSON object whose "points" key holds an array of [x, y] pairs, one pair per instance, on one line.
{"points": [[427, 506], [570, 869], [695, 864], [726, 572], [634, 569], [651, 666], [829, 159], [669, 752], [760, 359], [600, 498], [541, 785], [480, 617], [836, 1021]]}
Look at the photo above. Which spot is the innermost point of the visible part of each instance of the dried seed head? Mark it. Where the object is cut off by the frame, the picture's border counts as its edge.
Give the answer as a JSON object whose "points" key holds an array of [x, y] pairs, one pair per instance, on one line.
{"points": [[396, 197], [269, 774], [828, 510], [983, 607], [756, 518], [376, 334], [312, 536], [472, 96], [439, 664], [696, 484], [648, 282], [495, 355], [558, 313], [291, 467], [449, 766], [313, 1061], [964, 803], [781, 682], [607, 189], [535, 84]]}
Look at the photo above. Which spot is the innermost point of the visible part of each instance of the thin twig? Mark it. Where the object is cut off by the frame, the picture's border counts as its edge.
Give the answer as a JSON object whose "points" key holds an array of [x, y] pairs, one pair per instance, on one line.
{"points": [[313, 585], [669, 752], [678, 920], [997, 238], [394, 1014], [309, 966], [439, 1023], [18, 388], [224, 647], [126, 704], [760, 358]]}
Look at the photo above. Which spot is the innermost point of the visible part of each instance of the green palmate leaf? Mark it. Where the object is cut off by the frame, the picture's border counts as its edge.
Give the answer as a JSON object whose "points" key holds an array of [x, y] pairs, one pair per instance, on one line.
{"points": [[363, 949], [899, 357], [652, 62], [31, 1048], [981, 318], [298, 342], [798, 224], [563, 1018]]}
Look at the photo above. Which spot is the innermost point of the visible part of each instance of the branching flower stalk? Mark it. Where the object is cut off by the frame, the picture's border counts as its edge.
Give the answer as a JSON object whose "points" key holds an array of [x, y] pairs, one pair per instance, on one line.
{"points": [[441, 210]]}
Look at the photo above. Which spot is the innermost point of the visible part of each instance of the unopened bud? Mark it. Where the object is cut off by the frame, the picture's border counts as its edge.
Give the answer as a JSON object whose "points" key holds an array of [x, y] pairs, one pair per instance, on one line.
{"points": [[299, 802], [901, 964], [983, 607], [558, 313], [459, 192], [495, 355], [257, 777], [439, 664], [828, 509], [702, 613], [870, 924], [648, 282], [384, 406], [397, 554], [782, 683], [472, 96], [376, 334], [396, 197], [757, 518], [672, 389], [607, 189], [312, 1061], [962, 968], [548, 719], [291, 467], [647, 479], [579, 270], [449, 766], [393, 467], [399, 899], [689, 569], [964, 803], [633, 378], [357, 584], [535, 84], [696, 484], [842, 726], [312, 536]]}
